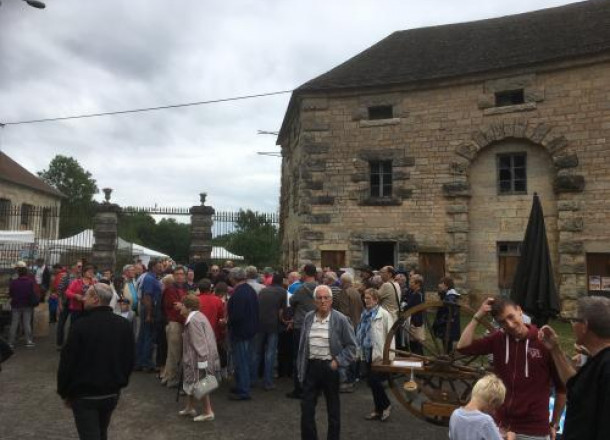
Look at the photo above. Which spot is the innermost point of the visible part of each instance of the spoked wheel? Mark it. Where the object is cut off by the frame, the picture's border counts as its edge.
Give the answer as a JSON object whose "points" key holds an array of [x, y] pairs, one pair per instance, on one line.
{"points": [[434, 383]]}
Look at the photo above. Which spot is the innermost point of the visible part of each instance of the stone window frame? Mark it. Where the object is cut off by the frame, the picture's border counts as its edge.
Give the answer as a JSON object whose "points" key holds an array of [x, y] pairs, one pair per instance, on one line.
{"points": [[361, 112], [512, 190], [532, 94], [376, 112], [382, 167], [506, 98]]}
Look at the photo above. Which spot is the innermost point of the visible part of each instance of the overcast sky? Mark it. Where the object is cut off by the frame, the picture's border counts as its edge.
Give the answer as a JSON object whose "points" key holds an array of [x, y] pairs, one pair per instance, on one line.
{"points": [[78, 57]]}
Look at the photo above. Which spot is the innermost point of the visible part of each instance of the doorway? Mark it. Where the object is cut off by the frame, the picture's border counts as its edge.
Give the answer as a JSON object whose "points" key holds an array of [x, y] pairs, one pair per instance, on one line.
{"points": [[380, 253]]}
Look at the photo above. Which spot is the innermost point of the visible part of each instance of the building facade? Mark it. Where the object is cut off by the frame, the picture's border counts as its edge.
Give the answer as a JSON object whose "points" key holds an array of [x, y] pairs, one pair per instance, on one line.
{"points": [[26, 202], [426, 149]]}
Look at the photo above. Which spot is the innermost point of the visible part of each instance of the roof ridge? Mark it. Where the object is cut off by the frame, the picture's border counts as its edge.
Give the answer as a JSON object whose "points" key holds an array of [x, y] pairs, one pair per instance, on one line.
{"points": [[11, 171]]}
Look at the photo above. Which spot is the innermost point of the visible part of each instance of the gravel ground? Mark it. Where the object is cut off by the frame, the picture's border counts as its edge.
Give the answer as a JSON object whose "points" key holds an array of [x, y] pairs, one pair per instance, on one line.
{"points": [[31, 409]]}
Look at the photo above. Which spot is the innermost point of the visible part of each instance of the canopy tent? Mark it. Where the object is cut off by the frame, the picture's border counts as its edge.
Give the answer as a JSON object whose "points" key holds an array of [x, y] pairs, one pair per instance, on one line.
{"points": [[17, 236], [86, 240], [220, 253], [15, 246]]}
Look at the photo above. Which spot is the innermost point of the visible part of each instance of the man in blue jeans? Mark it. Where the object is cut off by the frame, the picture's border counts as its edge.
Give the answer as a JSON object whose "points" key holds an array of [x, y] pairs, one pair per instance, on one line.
{"points": [[149, 313], [271, 304], [242, 311]]}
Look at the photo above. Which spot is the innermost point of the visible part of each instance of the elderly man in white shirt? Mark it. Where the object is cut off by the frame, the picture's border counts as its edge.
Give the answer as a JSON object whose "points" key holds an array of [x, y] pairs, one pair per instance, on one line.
{"points": [[327, 342]]}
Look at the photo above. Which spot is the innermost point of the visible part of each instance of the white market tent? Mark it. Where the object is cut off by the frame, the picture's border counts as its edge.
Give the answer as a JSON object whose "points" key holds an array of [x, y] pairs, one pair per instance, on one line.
{"points": [[86, 240], [220, 253], [17, 236]]}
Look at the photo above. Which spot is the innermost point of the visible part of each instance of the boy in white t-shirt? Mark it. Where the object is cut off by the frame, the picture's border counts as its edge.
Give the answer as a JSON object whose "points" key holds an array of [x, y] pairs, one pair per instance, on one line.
{"points": [[473, 422]]}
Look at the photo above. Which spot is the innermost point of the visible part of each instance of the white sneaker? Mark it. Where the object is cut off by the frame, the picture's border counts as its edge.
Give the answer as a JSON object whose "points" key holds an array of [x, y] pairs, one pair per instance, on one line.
{"points": [[204, 418], [187, 412], [30, 344]]}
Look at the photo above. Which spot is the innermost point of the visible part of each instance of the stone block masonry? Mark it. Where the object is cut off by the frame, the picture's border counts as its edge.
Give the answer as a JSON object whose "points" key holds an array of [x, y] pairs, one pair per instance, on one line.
{"points": [[443, 143]]}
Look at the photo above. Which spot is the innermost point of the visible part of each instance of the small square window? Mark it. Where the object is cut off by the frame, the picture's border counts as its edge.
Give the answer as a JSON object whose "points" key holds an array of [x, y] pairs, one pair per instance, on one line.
{"points": [[381, 112], [512, 173], [509, 97]]}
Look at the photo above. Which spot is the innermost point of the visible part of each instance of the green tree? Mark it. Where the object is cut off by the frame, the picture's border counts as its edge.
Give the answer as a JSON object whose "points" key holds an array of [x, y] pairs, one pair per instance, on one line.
{"points": [[69, 177], [255, 237]]}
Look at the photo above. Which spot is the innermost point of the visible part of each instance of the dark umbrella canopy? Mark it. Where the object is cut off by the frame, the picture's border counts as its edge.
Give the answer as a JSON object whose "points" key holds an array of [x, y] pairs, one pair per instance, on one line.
{"points": [[534, 286]]}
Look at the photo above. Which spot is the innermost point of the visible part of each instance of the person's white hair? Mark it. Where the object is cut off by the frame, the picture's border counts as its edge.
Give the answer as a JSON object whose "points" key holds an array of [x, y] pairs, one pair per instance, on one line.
{"points": [[490, 389], [251, 272], [320, 288], [237, 274], [103, 292]]}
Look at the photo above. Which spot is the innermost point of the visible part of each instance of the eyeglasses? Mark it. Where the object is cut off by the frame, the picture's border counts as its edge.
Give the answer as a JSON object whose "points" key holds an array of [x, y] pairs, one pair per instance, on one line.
{"points": [[323, 298], [575, 320]]}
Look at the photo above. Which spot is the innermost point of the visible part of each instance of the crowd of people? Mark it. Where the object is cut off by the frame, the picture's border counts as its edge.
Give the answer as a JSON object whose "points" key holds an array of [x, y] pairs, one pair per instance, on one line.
{"points": [[188, 324]]}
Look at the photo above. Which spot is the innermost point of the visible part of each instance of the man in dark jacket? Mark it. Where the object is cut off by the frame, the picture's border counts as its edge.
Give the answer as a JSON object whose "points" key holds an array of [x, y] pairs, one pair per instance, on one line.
{"points": [[589, 387], [242, 311], [95, 364], [302, 303], [21, 291]]}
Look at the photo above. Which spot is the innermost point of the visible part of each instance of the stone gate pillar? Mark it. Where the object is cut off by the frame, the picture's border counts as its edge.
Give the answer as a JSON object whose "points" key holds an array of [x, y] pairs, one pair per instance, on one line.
{"points": [[200, 249], [105, 231]]}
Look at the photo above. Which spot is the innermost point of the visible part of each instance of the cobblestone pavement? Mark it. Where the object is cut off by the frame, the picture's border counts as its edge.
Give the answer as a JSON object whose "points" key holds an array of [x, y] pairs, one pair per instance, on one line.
{"points": [[31, 409]]}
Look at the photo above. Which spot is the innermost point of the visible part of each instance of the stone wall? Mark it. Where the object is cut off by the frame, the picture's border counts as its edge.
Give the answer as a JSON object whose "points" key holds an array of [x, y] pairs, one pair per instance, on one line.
{"points": [[434, 141]]}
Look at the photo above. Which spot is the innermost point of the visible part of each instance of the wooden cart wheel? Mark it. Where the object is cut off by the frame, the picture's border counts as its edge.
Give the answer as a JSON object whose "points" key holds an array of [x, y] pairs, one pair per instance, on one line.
{"points": [[445, 379]]}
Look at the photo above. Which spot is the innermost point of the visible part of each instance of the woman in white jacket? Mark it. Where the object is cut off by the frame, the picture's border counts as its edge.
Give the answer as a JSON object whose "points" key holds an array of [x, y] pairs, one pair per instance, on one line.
{"points": [[375, 323]]}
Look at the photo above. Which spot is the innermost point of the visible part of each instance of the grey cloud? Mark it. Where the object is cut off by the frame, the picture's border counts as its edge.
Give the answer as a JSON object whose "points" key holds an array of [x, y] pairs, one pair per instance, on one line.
{"points": [[81, 57]]}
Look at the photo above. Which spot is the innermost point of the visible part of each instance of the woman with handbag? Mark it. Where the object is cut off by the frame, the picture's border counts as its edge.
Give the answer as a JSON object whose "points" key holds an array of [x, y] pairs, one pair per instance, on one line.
{"points": [[200, 362]]}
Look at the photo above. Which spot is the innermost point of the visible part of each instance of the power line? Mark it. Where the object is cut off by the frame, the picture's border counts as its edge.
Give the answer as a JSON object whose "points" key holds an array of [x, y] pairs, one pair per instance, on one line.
{"points": [[146, 109]]}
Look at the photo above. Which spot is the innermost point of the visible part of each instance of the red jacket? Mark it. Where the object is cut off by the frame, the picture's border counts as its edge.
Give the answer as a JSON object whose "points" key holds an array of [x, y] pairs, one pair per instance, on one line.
{"points": [[528, 379], [77, 287], [171, 295], [214, 309]]}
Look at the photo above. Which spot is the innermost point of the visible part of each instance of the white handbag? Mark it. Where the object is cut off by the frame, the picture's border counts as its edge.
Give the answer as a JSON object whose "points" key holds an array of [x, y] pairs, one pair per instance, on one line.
{"points": [[204, 386]]}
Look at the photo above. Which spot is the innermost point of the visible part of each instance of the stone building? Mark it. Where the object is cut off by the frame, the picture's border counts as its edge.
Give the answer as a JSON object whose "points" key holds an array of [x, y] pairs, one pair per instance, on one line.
{"points": [[426, 149], [26, 201]]}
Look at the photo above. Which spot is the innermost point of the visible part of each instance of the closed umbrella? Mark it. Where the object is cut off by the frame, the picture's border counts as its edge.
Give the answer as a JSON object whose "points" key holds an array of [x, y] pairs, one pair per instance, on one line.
{"points": [[534, 285]]}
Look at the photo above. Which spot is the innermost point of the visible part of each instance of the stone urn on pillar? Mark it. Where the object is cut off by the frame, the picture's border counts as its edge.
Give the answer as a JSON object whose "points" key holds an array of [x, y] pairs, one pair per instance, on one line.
{"points": [[105, 231], [200, 249]]}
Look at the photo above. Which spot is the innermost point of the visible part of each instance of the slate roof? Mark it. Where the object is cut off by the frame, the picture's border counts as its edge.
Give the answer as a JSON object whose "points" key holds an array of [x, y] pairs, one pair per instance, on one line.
{"points": [[11, 171], [446, 51]]}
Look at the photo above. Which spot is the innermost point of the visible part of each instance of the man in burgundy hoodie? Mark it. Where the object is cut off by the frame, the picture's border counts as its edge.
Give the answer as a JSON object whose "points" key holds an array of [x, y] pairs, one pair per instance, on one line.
{"points": [[525, 366]]}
